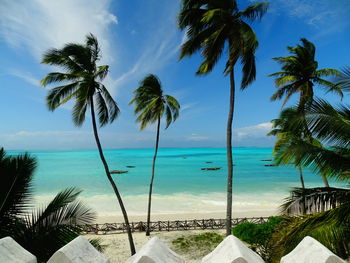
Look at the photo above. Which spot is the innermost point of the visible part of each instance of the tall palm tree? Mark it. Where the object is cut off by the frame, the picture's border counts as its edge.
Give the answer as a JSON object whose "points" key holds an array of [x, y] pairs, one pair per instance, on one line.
{"points": [[82, 82], [300, 74], [211, 27], [151, 105], [41, 231]]}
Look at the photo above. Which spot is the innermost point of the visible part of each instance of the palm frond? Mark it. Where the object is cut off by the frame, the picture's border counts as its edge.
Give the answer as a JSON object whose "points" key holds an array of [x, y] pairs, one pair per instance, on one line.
{"points": [[81, 76], [151, 104], [316, 200], [255, 11], [16, 191], [331, 228]]}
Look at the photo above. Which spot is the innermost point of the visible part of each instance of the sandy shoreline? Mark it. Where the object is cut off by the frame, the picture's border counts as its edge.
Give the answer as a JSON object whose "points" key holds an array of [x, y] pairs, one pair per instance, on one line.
{"points": [[117, 250], [117, 246]]}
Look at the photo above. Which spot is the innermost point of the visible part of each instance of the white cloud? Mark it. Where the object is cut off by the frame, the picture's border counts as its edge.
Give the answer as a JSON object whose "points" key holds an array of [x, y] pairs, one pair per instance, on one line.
{"points": [[26, 76], [328, 15], [256, 131], [41, 24]]}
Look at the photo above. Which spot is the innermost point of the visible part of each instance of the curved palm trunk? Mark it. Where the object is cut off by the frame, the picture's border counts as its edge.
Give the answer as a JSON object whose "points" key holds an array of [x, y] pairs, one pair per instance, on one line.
{"points": [[121, 204], [151, 183], [325, 180], [229, 155], [301, 177], [303, 187]]}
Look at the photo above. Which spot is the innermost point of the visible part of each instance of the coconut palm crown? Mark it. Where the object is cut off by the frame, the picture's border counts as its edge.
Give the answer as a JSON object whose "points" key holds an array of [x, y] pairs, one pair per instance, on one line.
{"points": [[300, 74], [81, 81], [151, 104], [213, 26]]}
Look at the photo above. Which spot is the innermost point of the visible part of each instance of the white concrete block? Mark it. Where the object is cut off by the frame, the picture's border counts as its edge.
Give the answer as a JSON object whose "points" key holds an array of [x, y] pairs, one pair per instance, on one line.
{"points": [[155, 251], [232, 250], [12, 252], [309, 250], [78, 250]]}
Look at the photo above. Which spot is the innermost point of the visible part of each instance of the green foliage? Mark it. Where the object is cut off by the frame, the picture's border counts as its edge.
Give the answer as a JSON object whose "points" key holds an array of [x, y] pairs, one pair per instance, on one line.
{"points": [[213, 26], [258, 235], [42, 231], [151, 104], [331, 228], [300, 73], [82, 81], [197, 245]]}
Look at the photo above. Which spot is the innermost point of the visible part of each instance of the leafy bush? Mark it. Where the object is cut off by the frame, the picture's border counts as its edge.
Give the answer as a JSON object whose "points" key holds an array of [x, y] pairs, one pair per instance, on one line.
{"points": [[197, 245], [258, 235]]}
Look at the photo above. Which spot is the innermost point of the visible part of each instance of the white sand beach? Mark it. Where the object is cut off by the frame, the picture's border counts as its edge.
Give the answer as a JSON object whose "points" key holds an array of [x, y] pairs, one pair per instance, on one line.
{"points": [[117, 249]]}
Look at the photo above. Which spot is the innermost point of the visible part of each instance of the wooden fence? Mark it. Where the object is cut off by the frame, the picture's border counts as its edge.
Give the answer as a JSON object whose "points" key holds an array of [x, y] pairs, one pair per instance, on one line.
{"points": [[115, 228]]}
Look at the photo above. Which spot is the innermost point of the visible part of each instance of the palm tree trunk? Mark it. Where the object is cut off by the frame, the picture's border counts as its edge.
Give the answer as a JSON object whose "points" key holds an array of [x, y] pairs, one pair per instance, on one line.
{"points": [[151, 183], [229, 155], [303, 187], [121, 204], [325, 180], [301, 177]]}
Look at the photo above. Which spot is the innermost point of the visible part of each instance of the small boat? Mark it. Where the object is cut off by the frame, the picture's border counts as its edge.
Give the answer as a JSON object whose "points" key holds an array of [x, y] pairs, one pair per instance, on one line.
{"points": [[267, 160], [270, 165], [130, 166], [208, 162], [118, 171], [211, 168]]}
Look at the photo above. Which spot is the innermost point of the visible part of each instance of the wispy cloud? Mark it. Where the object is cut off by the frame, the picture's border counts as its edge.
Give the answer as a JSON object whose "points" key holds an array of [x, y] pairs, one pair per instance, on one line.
{"points": [[328, 15], [40, 24], [26, 76]]}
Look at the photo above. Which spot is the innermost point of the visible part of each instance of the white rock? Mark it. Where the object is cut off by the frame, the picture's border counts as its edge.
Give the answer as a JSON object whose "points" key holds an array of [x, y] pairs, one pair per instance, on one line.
{"points": [[12, 252], [232, 250], [155, 251], [309, 250], [78, 250]]}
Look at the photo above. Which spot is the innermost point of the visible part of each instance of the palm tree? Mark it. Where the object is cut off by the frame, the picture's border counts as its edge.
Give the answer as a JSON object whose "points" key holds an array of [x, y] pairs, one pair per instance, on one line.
{"points": [[42, 231], [300, 74], [212, 27], [82, 82], [151, 105], [331, 222], [286, 134]]}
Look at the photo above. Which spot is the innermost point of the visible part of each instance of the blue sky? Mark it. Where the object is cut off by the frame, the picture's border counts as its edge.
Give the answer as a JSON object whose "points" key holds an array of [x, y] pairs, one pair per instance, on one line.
{"points": [[141, 37]]}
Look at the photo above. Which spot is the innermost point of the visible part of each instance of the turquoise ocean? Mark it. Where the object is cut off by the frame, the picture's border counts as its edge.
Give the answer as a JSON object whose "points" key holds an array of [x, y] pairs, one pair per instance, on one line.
{"points": [[180, 185]]}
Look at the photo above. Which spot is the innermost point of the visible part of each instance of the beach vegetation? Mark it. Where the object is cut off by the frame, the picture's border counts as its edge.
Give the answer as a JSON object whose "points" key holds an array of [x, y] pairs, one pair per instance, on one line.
{"points": [[40, 230], [81, 81], [215, 28], [258, 236], [150, 106], [197, 245]]}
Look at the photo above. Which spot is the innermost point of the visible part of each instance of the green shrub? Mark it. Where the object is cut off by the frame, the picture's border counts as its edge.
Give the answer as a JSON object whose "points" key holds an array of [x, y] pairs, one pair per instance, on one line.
{"points": [[258, 235], [197, 245]]}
